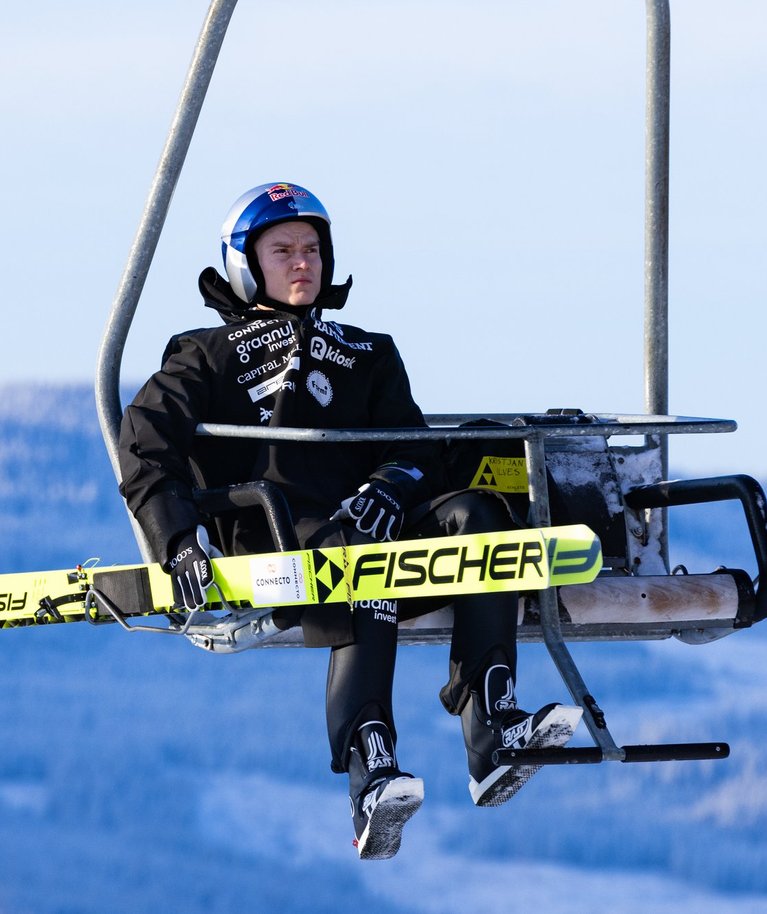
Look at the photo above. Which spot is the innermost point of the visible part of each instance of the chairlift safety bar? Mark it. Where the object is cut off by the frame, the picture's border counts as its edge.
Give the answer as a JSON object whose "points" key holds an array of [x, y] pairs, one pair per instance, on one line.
{"points": [[444, 427]]}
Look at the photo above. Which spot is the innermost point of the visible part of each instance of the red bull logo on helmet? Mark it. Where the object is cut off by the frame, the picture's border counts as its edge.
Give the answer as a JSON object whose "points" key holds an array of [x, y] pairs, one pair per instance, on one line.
{"points": [[281, 191]]}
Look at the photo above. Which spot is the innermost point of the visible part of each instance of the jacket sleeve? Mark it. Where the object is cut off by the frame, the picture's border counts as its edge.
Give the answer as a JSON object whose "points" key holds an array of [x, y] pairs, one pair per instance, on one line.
{"points": [[402, 462], [156, 439]]}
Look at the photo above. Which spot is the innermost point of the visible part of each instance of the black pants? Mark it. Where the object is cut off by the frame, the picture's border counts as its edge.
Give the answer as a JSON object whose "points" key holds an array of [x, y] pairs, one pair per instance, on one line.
{"points": [[361, 674]]}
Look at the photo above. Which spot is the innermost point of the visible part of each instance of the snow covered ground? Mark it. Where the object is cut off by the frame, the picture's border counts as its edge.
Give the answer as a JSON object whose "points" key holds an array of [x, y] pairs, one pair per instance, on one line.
{"points": [[139, 774]]}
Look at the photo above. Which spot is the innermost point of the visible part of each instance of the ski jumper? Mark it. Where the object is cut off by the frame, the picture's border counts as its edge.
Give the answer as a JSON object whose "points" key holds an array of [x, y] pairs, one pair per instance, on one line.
{"points": [[291, 368]]}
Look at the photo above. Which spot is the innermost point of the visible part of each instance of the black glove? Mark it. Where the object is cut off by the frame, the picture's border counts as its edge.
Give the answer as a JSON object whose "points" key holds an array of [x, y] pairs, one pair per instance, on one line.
{"points": [[376, 510], [190, 569]]}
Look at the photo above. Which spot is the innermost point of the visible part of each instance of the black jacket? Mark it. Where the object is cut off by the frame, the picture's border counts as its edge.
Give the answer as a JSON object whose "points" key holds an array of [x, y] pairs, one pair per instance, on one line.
{"points": [[266, 368]]}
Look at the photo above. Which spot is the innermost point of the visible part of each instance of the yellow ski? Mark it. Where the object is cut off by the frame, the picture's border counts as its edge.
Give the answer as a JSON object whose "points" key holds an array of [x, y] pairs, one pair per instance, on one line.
{"points": [[510, 560]]}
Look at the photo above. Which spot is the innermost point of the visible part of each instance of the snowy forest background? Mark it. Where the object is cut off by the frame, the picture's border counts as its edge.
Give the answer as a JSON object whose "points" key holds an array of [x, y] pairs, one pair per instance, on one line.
{"points": [[139, 774]]}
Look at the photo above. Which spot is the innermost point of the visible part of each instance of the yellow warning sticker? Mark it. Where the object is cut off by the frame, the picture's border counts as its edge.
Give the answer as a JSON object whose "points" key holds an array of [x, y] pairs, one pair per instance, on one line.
{"points": [[504, 474]]}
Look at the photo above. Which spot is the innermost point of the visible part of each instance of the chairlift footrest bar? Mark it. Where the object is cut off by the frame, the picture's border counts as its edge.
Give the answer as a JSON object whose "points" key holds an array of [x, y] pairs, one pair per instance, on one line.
{"points": [[593, 755]]}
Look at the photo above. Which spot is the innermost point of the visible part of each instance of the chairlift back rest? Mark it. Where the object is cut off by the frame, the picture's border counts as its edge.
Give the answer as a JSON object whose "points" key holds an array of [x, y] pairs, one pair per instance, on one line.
{"points": [[586, 481], [612, 489]]}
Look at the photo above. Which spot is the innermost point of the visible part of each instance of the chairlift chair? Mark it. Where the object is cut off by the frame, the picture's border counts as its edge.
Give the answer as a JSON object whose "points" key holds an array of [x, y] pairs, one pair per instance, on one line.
{"points": [[620, 490]]}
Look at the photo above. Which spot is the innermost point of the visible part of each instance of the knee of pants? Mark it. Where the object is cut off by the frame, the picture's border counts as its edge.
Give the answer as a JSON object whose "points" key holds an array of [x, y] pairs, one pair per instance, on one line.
{"points": [[479, 512]]}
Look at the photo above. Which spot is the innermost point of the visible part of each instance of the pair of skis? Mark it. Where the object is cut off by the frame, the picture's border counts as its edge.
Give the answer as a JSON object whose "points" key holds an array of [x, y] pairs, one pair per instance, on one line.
{"points": [[511, 560]]}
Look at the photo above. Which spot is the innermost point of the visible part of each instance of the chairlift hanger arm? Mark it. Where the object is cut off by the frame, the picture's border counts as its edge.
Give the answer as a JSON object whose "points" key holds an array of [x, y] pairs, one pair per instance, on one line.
{"points": [[153, 217]]}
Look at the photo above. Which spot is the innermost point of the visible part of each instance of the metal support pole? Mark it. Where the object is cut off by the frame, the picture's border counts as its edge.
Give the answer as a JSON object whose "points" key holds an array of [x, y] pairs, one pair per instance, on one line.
{"points": [[155, 210], [658, 89], [657, 121], [548, 605]]}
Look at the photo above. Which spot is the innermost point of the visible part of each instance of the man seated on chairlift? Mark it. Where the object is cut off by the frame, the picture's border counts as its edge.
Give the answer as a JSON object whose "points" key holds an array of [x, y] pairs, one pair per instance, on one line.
{"points": [[277, 360]]}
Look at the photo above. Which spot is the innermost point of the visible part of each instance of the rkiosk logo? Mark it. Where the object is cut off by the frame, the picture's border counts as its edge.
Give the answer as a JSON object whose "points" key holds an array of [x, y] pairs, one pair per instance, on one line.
{"points": [[320, 349]]}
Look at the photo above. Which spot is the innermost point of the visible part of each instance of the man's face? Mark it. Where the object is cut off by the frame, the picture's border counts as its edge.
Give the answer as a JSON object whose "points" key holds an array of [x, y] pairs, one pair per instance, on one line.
{"points": [[289, 257]]}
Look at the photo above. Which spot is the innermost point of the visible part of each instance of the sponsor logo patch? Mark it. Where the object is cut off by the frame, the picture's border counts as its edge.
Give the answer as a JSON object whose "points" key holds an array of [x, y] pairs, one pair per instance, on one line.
{"points": [[281, 191], [513, 735], [272, 385], [337, 332], [320, 349], [278, 579], [319, 387], [255, 337], [452, 565], [10, 602], [504, 474], [180, 557], [378, 755], [383, 610]]}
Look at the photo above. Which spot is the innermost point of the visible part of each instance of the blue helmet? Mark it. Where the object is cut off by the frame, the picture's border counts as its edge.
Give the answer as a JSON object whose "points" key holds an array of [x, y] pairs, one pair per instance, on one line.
{"points": [[257, 210]]}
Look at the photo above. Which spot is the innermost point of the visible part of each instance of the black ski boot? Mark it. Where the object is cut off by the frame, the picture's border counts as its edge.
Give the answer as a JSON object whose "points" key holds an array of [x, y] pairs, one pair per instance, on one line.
{"points": [[382, 797], [491, 720]]}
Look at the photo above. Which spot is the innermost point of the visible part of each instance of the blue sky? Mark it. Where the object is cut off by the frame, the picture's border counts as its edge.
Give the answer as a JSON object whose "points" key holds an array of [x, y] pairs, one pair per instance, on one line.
{"points": [[483, 165]]}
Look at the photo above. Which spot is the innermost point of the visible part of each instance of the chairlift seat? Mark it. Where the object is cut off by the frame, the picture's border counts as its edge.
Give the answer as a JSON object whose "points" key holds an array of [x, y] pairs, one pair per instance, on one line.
{"points": [[617, 491]]}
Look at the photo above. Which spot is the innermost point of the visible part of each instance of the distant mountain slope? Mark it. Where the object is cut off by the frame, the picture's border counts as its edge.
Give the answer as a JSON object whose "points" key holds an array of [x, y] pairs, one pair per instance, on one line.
{"points": [[59, 502]]}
